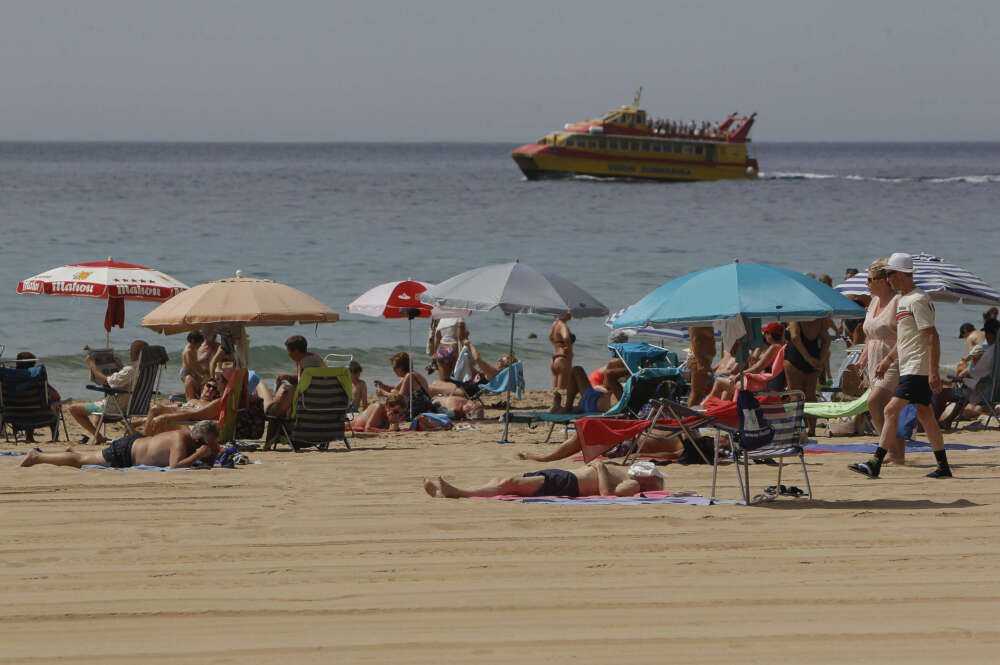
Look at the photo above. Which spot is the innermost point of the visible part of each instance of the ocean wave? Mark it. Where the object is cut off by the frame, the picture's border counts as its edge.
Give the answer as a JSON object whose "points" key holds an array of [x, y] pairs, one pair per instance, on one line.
{"points": [[792, 175]]}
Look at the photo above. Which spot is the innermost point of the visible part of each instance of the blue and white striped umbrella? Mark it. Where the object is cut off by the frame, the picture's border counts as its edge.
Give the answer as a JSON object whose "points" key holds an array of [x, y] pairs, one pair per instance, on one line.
{"points": [[667, 334], [942, 281]]}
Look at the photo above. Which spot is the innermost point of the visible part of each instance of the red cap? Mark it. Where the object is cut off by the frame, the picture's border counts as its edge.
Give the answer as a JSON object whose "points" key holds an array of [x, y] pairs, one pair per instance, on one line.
{"points": [[774, 328]]}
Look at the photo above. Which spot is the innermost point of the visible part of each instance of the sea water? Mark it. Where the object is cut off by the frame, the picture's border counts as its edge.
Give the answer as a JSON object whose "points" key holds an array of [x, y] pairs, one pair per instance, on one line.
{"points": [[337, 219]]}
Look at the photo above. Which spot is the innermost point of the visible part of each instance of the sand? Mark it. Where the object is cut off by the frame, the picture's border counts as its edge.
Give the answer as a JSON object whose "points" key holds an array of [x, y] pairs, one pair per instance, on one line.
{"points": [[341, 557]]}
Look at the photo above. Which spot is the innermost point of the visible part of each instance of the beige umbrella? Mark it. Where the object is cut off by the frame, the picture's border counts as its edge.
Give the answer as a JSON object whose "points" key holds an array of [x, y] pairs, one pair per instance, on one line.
{"points": [[243, 301]]}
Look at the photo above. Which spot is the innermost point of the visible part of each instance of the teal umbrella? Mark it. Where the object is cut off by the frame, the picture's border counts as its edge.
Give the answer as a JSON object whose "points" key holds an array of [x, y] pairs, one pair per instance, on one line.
{"points": [[764, 293]]}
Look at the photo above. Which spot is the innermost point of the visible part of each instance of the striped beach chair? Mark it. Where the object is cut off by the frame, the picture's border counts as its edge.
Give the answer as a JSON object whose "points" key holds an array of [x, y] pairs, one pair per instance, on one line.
{"points": [[25, 405], [785, 414], [151, 363], [319, 410]]}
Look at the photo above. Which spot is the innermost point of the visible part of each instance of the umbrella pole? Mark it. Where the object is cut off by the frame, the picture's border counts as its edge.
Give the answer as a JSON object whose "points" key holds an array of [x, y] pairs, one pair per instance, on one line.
{"points": [[510, 378], [409, 352]]}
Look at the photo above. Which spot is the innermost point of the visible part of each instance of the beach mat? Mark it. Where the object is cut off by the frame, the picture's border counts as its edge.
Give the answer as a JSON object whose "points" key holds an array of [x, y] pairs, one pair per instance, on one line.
{"points": [[911, 447], [146, 467], [665, 496]]}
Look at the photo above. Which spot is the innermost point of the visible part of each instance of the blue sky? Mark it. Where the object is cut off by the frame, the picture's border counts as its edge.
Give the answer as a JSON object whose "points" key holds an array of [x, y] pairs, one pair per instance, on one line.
{"points": [[308, 70]]}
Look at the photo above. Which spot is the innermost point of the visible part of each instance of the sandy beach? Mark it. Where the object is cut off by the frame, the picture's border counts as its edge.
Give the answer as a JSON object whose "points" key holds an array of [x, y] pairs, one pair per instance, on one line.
{"points": [[342, 557]]}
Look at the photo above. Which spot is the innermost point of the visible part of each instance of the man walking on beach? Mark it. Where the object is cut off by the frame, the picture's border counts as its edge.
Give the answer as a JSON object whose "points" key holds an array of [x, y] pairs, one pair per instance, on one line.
{"points": [[918, 348]]}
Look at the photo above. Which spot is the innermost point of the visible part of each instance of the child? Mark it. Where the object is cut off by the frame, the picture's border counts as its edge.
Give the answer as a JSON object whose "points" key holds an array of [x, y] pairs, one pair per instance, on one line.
{"points": [[358, 387]]}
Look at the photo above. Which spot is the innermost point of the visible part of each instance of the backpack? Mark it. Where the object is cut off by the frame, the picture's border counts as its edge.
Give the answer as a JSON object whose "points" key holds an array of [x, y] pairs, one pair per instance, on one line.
{"points": [[755, 431]]}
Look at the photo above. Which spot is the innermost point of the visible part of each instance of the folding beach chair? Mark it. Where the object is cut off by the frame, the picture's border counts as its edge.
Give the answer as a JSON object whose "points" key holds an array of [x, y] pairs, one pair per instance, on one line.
{"points": [[151, 363], [785, 415], [637, 355], [987, 391], [512, 375], [836, 387], [25, 405], [319, 410]]}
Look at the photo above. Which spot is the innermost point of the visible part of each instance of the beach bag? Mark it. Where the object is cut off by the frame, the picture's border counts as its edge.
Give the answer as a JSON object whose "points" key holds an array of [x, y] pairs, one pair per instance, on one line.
{"points": [[755, 431], [842, 427], [420, 403], [250, 422]]}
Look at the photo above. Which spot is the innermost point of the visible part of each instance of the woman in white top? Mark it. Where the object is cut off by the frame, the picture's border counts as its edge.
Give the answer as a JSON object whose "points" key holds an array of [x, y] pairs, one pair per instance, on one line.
{"points": [[448, 337], [880, 340]]}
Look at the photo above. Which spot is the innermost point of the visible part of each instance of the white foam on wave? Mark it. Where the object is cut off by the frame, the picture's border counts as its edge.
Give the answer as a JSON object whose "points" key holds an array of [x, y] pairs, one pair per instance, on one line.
{"points": [[789, 175]]}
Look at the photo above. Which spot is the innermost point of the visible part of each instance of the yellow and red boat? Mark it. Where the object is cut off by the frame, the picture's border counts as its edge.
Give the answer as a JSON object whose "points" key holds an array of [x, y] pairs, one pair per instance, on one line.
{"points": [[628, 143]]}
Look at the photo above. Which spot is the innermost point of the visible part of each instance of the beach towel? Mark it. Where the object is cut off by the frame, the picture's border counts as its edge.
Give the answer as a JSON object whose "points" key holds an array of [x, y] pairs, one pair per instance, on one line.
{"points": [[911, 447], [838, 409], [665, 496]]}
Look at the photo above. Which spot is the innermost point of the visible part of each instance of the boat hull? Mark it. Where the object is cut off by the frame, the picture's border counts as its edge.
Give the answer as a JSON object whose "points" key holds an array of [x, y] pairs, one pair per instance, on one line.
{"points": [[542, 162]]}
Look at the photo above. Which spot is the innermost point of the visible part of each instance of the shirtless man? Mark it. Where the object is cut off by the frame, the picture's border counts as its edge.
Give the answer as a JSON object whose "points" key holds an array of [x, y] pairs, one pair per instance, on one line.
{"points": [[206, 407], [209, 347], [700, 363], [192, 372], [562, 357], [599, 478], [176, 449], [123, 379]]}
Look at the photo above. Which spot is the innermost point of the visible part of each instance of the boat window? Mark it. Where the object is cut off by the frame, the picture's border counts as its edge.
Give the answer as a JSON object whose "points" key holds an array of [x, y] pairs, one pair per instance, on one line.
{"points": [[635, 145], [699, 150], [602, 143], [645, 146], [687, 148], [613, 145], [592, 143], [656, 147]]}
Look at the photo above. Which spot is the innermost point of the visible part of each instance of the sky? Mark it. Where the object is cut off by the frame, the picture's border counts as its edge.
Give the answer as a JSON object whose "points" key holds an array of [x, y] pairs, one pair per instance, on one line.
{"points": [[510, 71]]}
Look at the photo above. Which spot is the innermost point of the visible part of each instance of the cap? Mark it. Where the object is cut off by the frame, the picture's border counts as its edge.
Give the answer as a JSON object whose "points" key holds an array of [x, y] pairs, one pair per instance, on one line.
{"points": [[900, 262], [774, 328]]}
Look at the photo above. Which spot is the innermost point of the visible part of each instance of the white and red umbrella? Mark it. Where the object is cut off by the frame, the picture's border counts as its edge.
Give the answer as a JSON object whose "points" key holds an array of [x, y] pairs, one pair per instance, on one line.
{"points": [[109, 280], [401, 300]]}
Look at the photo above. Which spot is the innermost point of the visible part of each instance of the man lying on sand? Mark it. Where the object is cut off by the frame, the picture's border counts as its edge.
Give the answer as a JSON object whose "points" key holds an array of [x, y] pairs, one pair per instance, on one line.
{"points": [[597, 478], [176, 449]]}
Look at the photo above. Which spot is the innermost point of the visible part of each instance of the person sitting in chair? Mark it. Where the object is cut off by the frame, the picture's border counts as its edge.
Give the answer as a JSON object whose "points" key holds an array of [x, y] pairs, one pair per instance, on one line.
{"points": [[593, 399], [123, 379], [485, 372], [285, 384], [950, 404], [26, 360]]}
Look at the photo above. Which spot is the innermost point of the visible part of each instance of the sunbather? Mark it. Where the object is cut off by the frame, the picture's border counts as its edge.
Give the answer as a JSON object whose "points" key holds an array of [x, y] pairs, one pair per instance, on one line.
{"points": [[381, 416], [421, 391], [180, 448], [806, 355], [561, 365], [485, 373], [654, 443], [761, 358], [593, 399], [26, 360], [458, 408], [193, 374], [124, 379], [597, 478], [611, 376], [359, 390], [700, 362], [206, 407]]}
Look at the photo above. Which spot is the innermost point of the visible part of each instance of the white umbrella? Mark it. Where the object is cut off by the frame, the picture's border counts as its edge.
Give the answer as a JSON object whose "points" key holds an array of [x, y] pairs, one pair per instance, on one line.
{"points": [[400, 300], [942, 281], [514, 288], [109, 280]]}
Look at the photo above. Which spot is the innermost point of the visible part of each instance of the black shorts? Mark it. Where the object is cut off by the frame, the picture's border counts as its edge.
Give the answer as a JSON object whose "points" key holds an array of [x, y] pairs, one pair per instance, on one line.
{"points": [[118, 455], [557, 483], [914, 388]]}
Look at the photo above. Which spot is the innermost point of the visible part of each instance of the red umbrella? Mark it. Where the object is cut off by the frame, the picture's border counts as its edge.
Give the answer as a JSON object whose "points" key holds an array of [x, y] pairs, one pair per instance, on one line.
{"points": [[109, 280]]}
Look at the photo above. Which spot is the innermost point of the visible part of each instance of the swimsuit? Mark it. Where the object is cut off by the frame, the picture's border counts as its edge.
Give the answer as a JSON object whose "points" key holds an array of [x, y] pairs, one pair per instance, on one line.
{"points": [[793, 356], [596, 378], [446, 353], [118, 455], [557, 483], [588, 400]]}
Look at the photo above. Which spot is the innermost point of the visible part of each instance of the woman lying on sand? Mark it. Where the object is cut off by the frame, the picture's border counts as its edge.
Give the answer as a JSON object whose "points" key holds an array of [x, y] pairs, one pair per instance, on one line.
{"points": [[599, 478]]}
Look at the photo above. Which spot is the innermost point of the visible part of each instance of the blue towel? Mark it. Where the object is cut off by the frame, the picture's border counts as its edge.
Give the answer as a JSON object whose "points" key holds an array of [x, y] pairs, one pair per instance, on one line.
{"points": [[911, 446]]}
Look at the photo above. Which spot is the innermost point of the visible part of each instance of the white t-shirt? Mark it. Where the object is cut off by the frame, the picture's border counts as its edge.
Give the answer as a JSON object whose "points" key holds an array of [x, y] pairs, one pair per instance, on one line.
{"points": [[123, 379], [914, 314], [983, 367]]}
